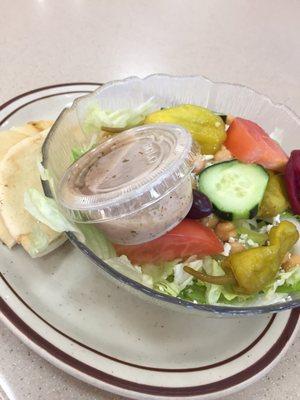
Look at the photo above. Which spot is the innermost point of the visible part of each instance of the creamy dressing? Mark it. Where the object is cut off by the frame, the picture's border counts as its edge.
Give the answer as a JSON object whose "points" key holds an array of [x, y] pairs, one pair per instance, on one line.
{"points": [[153, 221], [135, 186]]}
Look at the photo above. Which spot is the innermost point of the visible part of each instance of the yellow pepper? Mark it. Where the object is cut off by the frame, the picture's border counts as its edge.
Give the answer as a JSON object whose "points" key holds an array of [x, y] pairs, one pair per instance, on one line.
{"points": [[255, 268], [275, 199], [206, 128], [283, 237]]}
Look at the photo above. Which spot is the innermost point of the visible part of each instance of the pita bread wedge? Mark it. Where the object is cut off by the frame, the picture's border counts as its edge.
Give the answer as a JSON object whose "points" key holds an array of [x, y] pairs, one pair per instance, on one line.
{"points": [[7, 140], [33, 127], [5, 236], [18, 172], [41, 125]]}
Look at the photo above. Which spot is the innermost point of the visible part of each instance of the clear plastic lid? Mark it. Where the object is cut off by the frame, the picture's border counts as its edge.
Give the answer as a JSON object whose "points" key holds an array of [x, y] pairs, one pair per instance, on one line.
{"points": [[127, 173]]}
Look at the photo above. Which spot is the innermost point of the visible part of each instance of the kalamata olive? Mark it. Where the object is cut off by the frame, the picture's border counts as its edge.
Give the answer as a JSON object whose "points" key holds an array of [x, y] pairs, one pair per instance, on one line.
{"points": [[201, 206]]}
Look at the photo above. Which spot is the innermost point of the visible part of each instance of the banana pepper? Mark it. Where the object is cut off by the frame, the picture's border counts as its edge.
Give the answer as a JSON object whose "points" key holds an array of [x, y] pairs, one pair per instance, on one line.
{"points": [[275, 200], [255, 268], [206, 127], [250, 271]]}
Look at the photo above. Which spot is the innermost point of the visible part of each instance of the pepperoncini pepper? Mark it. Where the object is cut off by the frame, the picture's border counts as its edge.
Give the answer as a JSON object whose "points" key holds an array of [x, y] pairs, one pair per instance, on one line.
{"points": [[275, 200], [283, 236], [255, 268], [206, 128]]}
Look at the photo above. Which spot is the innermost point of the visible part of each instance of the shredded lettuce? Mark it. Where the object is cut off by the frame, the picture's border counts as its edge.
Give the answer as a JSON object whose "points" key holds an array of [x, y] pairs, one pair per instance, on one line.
{"points": [[124, 266], [213, 292], [195, 293], [77, 152], [161, 271], [96, 240], [169, 277], [46, 211], [166, 287], [249, 232], [288, 215], [206, 293], [286, 288], [180, 279], [96, 118], [201, 292], [39, 243], [285, 282], [251, 235]]}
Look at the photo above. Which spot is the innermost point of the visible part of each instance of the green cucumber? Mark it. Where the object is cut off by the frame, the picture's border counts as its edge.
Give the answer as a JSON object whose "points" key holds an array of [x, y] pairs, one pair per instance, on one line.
{"points": [[234, 188]]}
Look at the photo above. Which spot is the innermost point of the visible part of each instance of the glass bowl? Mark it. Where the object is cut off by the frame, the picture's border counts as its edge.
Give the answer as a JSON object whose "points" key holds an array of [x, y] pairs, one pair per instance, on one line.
{"points": [[225, 98]]}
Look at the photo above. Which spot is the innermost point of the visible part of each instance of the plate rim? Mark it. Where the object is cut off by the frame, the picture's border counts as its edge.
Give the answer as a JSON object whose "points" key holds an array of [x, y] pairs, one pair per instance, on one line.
{"points": [[138, 366], [86, 372], [281, 344]]}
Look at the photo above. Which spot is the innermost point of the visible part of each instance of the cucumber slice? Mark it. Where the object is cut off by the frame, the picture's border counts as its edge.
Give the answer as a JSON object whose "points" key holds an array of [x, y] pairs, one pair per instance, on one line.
{"points": [[234, 188]]}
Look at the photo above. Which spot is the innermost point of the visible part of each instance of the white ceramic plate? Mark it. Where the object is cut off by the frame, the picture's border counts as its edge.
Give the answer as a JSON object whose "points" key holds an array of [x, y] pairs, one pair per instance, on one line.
{"points": [[79, 320]]}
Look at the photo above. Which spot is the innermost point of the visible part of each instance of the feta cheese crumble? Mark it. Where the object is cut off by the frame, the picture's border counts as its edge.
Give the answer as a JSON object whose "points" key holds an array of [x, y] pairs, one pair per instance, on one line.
{"points": [[227, 249]]}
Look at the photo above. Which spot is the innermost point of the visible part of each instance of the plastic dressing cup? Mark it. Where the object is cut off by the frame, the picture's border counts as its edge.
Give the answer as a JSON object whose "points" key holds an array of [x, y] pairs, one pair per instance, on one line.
{"points": [[135, 186]]}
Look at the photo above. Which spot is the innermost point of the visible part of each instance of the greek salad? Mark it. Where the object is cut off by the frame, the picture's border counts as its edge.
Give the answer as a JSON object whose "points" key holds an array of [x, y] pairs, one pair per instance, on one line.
{"points": [[238, 240]]}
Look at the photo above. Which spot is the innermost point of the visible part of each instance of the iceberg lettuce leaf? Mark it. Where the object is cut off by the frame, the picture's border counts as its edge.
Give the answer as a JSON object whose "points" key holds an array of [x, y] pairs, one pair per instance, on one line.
{"points": [[46, 211], [125, 267], [96, 118]]}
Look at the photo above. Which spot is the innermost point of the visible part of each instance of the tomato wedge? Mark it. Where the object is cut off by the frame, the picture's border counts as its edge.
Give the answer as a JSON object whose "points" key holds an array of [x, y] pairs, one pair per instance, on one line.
{"points": [[249, 143], [186, 239]]}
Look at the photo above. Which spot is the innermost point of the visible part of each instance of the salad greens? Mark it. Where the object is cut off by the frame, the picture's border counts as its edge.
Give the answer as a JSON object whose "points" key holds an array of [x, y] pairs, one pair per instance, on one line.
{"points": [[256, 237], [194, 293], [97, 118], [201, 292], [286, 282], [166, 277], [97, 241], [124, 266], [46, 211], [77, 152]]}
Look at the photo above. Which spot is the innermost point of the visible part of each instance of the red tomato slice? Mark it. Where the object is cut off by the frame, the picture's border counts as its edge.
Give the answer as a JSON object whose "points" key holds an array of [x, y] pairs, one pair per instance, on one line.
{"points": [[249, 143], [186, 239]]}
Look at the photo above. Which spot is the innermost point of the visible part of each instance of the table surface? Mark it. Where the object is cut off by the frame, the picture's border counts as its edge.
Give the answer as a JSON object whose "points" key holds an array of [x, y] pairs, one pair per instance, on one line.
{"points": [[45, 42]]}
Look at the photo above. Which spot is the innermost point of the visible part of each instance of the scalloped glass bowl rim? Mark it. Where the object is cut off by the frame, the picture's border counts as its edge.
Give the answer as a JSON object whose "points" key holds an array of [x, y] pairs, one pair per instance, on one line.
{"points": [[222, 310]]}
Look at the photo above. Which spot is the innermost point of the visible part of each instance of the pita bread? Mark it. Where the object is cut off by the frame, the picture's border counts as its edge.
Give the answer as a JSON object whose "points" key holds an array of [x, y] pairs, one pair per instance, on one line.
{"points": [[5, 236], [33, 127], [8, 139], [18, 172]]}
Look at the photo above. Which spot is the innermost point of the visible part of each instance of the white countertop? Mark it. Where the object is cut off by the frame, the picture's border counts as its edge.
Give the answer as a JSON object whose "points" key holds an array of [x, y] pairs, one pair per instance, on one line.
{"points": [[45, 42]]}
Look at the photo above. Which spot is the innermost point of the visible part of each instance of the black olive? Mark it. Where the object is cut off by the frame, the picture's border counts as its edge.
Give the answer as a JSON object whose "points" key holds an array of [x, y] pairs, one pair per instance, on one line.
{"points": [[201, 206]]}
